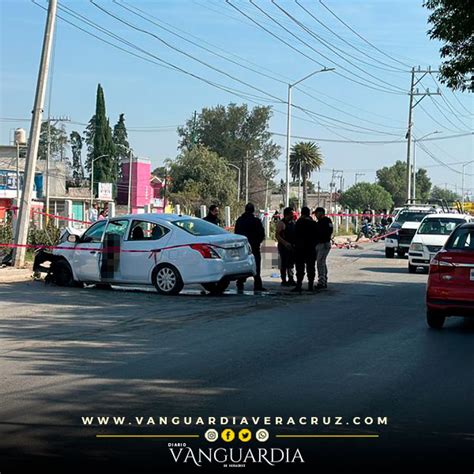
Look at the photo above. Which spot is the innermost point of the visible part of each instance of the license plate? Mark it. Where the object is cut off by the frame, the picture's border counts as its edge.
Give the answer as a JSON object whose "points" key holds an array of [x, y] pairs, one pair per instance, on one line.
{"points": [[472, 274]]}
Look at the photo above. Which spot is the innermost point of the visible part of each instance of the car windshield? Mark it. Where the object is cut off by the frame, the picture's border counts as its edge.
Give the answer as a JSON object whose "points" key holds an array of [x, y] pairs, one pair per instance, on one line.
{"points": [[461, 239], [411, 216], [198, 227], [439, 225]]}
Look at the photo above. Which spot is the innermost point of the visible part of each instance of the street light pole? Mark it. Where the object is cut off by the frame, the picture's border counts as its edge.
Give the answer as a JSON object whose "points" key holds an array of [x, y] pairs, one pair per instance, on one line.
{"points": [[415, 140], [288, 129]]}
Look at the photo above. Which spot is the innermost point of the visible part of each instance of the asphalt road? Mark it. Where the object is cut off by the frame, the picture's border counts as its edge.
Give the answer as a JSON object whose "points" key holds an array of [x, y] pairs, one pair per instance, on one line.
{"points": [[361, 348]]}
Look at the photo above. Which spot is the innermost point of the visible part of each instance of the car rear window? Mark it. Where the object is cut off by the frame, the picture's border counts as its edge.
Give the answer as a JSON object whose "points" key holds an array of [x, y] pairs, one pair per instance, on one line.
{"points": [[461, 239], [198, 227]]}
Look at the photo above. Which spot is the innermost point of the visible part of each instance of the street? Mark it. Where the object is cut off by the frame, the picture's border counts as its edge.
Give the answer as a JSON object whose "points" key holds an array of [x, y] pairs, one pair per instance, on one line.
{"points": [[361, 348]]}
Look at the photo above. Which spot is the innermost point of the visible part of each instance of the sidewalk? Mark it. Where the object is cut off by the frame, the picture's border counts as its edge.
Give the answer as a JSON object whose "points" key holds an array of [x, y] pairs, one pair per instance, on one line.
{"points": [[10, 274]]}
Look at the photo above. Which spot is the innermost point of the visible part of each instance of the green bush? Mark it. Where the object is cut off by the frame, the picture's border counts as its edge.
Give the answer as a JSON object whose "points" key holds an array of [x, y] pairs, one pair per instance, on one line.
{"points": [[49, 235]]}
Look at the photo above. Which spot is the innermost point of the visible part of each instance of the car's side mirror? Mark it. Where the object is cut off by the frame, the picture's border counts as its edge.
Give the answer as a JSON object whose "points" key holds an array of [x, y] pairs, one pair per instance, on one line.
{"points": [[72, 238]]}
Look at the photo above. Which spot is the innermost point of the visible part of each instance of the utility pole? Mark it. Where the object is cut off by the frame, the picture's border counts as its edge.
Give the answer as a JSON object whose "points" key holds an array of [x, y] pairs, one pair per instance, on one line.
{"points": [[247, 178], [130, 171], [319, 194], [357, 175], [414, 92], [288, 129], [21, 230], [462, 182]]}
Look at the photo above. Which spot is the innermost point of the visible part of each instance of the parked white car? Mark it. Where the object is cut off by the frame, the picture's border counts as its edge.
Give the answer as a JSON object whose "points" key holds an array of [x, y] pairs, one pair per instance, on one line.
{"points": [[430, 237], [166, 250]]}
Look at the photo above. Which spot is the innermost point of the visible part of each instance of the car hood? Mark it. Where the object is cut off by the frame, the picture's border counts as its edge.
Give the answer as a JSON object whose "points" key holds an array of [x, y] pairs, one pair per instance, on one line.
{"points": [[430, 239], [411, 225]]}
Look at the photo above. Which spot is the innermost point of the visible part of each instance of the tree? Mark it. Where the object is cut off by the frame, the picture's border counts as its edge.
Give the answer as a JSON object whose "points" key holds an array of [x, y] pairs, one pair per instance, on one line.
{"points": [[75, 140], [453, 23], [120, 138], [58, 142], [366, 195], [89, 134], [159, 171], [105, 169], [236, 133], [393, 179], [200, 176], [305, 157], [445, 194]]}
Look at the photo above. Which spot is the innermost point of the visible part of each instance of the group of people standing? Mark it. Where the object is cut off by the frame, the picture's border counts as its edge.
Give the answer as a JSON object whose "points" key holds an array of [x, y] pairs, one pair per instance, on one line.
{"points": [[303, 245]]}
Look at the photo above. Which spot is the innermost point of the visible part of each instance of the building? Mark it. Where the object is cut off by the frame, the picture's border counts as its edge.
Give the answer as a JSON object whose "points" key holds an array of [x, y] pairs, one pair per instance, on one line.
{"points": [[146, 189]]}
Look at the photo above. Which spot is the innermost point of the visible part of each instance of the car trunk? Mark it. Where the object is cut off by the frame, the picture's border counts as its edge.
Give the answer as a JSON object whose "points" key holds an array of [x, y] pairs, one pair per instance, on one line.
{"points": [[456, 271], [230, 248]]}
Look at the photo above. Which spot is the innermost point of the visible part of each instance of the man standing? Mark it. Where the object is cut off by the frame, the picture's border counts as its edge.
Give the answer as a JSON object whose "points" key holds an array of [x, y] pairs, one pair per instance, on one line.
{"points": [[250, 226], [285, 235], [323, 246], [93, 213], [213, 215], [305, 249]]}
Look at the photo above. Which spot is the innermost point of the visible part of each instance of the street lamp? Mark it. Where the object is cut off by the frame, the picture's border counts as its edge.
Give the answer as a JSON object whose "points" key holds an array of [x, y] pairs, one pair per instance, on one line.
{"points": [[288, 129], [462, 183], [413, 173], [238, 179], [92, 177]]}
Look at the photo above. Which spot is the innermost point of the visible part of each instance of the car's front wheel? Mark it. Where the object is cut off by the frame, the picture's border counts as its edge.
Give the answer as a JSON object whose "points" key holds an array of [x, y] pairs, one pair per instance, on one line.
{"points": [[412, 268], [167, 279], [62, 273], [389, 252], [401, 253], [216, 288], [434, 319]]}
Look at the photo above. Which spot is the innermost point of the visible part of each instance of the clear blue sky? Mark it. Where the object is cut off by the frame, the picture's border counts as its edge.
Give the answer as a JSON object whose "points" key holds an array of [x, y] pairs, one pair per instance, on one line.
{"points": [[154, 96]]}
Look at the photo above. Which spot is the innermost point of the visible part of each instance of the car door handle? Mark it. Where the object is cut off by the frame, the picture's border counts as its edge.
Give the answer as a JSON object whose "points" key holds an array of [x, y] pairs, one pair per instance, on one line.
{"points": [[93, 252]]}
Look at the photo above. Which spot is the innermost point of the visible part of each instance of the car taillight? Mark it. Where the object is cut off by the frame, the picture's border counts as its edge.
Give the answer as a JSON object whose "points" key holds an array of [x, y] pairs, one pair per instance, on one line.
{"points": [[442, 268], [205, 250]]}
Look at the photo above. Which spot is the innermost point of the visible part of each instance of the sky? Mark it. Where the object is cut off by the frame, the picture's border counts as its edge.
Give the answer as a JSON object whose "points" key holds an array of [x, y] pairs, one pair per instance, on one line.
{"points": [[364, 99]]}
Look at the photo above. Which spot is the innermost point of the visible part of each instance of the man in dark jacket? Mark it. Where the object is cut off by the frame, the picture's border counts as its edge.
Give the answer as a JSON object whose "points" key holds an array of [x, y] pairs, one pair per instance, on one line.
{"points": [[305, 249], [285, 235], [213, 215], [323, 246], [250, 226]]}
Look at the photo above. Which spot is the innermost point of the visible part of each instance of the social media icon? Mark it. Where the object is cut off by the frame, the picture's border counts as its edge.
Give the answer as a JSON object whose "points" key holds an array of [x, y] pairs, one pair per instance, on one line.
{"points": [[228, 435], [262, 435], [211, 435], [245, 435]]}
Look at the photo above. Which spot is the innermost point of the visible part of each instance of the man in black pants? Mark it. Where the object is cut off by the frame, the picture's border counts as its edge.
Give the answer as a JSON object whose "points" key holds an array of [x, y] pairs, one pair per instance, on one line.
{"points": [[323, 246], [285, 235], [305, 249], [250, 226]]}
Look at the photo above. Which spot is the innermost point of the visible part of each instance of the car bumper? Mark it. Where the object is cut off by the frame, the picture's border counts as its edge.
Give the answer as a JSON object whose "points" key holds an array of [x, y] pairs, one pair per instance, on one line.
{"points": [[217, 270], [420, 259], [451, 307]]}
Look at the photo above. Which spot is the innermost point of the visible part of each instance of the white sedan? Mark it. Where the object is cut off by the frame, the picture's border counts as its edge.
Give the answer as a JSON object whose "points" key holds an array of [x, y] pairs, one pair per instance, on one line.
{"points": [[164, 250]]}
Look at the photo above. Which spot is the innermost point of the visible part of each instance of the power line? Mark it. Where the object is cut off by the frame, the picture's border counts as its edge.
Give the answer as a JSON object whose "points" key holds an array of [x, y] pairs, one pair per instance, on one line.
{"points": [[361, 37], [365, 84], [334, 48], [392, 68]]}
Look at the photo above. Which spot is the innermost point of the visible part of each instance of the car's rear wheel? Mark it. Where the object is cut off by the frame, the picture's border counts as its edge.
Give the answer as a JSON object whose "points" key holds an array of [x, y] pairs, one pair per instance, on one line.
{"points": [[412, 268], [389, 252], [435, 319], [216, 288], [167, 279]]}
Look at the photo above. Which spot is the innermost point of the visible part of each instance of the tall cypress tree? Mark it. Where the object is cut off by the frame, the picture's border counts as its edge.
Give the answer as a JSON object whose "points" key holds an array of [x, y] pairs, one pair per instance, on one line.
{"points": [[104, 168], [120, 138]]}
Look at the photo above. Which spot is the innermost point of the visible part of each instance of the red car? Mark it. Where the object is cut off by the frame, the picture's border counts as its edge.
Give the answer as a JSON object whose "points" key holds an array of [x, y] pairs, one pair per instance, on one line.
{"points": [[450, 290]]}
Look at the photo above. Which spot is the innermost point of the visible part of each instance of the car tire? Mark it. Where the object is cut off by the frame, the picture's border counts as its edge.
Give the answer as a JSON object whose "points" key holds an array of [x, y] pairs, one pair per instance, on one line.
{"points": [[62, 273], [401, 253], [167, 279], [216, 288], [435, 319], [412, 268], [389, 252]]}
